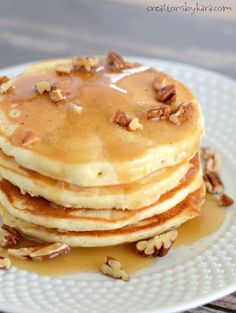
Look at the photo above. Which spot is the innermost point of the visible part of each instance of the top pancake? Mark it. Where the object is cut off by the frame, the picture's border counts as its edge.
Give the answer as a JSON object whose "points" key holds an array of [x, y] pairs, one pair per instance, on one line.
{"points": [[85, 148]]}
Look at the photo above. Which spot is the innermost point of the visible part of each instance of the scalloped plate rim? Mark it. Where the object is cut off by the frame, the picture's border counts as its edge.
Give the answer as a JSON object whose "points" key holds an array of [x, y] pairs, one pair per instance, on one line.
{"points": [[221, 292]]}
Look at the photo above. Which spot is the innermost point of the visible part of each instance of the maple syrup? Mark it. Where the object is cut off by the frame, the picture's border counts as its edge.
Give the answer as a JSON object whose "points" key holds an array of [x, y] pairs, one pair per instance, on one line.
{"points": [[90, 136], [204, 225], [90, 259]]}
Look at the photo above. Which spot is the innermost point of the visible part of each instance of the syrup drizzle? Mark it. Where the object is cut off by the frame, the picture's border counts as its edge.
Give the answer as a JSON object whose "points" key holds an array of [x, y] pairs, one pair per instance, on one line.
{"points": [[90, 259]]}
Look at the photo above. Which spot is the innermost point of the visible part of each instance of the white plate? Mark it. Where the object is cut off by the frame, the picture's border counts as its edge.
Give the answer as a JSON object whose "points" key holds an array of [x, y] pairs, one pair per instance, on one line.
{"points": [[188, 276]]}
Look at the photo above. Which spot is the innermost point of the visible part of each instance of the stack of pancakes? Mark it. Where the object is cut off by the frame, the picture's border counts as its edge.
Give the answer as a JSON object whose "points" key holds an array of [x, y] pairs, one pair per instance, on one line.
{"points": [[70, 174]]}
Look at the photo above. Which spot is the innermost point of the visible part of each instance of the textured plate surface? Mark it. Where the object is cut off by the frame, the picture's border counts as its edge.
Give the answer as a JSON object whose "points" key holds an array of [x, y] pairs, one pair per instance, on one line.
{"points": [[189, 276]]}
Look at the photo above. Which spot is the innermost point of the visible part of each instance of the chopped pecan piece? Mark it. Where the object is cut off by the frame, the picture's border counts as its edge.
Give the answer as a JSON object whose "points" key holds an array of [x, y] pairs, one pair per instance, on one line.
{"points": [[5, 263], [212, 178], [159, 82], [206, 153], [159, 113], [115, 61], [43, 86], [40, 252], [64, 69], [9, 236], [158, 245], [213, 182], [225, 200], [211, 160], [212, 164], [56, 94], [183, 113], [86, 63], [121, 118], [113, 268], [166, 94], [5, 84], [135, 124], [124, 120]]}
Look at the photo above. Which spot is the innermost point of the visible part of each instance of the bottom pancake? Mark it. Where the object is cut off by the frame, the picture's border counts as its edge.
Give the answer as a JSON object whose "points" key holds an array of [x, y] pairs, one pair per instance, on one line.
{"points": [[189, 208]]}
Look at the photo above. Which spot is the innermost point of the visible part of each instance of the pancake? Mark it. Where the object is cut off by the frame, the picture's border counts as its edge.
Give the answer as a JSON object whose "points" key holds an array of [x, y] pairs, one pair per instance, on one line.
{"points": [[130, 196], [74, 172], [187, 209], [41, 212], [85, 148]]}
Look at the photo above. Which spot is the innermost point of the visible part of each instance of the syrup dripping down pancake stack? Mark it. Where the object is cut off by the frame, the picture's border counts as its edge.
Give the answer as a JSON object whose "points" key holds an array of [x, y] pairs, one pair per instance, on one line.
{"points": [[98, 152]]}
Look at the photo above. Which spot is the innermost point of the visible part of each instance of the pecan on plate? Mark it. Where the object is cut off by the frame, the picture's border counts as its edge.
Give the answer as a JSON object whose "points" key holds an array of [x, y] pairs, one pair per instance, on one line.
{"points": [[40, 252], [112, 267], [225, 200], [9, 236], [158, 245], [5, 263], [211, 160], [213, 182]]}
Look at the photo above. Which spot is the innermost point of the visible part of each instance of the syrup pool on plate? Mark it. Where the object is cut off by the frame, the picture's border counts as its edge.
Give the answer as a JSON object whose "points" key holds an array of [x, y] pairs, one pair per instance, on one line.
{"points": [[90, 259]]}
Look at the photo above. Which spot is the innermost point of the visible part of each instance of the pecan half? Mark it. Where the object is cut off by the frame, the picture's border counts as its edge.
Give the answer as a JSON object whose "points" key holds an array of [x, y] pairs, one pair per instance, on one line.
{"points": [[6, 84], [5, 263], [158, 245], [183, 113], [166, 94], [213, 182], [86, 63], [115, 62], [40, 252], [9, 236], [112, 267], [43, 86], [56, 94], [159, 113]]}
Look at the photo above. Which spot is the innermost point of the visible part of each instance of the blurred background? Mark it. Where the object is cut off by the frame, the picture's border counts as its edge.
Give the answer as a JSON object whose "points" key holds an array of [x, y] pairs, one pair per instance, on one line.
{"points": [[33, 30]]}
